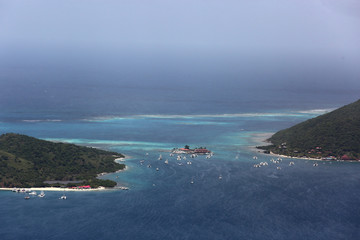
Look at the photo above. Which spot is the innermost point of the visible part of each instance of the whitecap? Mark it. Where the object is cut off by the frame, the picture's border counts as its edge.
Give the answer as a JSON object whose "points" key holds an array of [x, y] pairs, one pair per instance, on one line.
{"points": [[41, 120], [316, 111], [204, 116]]}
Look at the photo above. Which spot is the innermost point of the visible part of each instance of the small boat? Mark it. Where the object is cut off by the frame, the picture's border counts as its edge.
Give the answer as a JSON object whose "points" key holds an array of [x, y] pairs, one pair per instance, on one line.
{"points": [[42, 194], [27, 197], [220, 176], [157, 169], [315, 164], [166, 161], [33, 193], [63, 197], [192, 181], [160, 157], [14, 190], [278, 168]]}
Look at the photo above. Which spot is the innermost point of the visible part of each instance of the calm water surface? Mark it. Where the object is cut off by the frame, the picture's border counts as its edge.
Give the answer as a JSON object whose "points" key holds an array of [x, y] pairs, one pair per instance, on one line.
{"points": [[296, 202]]}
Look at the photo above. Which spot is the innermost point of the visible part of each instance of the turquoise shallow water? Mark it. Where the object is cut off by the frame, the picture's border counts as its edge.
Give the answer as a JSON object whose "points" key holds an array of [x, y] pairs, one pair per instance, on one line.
{"points": [[295, 202]]}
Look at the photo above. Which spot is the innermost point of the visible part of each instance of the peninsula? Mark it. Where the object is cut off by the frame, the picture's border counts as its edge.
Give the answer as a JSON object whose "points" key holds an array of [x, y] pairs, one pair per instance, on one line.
{"points": [[29, 162], [332, 136]]}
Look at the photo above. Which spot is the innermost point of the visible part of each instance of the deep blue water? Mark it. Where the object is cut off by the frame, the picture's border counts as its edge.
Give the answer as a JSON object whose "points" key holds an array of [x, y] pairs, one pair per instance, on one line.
{"points": [[296, 202]]}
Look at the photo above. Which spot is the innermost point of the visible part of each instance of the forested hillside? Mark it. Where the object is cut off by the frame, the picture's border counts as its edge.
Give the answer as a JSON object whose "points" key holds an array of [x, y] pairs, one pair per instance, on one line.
{"points": [[26, 161], [333, 134]]}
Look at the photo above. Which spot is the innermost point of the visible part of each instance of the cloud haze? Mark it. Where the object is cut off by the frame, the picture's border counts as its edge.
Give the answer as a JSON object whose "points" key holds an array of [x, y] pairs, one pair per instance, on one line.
{"points": [[224, 25], [222, 46]]}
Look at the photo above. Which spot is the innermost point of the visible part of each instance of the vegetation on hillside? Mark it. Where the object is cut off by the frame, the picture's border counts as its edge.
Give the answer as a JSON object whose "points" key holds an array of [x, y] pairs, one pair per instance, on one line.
{"points": [[333, 134], [26, 161]]}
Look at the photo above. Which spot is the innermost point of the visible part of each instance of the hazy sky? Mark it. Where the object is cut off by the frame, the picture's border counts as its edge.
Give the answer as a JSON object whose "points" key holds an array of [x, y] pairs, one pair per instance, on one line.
{"points": [[234, 25], [212, 41]]}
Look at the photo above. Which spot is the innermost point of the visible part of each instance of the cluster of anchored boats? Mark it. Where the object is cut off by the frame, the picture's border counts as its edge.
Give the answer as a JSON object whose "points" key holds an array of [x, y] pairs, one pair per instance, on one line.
{"points": [[182, 156], [275, 161], [29, 193]]}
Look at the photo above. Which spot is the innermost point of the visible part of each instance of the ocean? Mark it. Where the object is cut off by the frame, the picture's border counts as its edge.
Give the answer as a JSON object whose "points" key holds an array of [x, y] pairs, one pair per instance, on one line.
{"points": [[294, 202]]}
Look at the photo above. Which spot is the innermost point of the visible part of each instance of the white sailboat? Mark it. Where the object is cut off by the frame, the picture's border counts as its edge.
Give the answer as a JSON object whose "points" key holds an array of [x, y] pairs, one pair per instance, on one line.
{"points": [[42, 194], [63, 197]]}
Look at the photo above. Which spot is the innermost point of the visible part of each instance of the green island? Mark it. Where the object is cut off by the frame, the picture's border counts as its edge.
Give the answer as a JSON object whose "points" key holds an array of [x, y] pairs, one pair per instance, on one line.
{"points": [[331, 136], [30, 162]]}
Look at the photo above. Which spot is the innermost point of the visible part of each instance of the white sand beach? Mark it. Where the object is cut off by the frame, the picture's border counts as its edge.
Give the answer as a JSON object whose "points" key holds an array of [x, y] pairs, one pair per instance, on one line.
{"points": [[59, 189], [260, 139]]}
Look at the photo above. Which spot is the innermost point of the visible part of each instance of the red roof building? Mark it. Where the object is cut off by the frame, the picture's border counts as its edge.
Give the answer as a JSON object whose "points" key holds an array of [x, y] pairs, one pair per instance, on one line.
{"points": [[184, 149], [345, 157], [201, 151]]}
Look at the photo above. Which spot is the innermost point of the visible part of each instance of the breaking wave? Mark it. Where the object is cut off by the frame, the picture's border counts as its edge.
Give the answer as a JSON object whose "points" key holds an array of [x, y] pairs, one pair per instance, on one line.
{"points": [[300, 113]]}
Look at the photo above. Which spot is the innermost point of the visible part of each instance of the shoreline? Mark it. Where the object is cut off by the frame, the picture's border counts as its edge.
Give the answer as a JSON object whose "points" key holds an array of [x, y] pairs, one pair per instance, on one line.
{"points": [[63, 189], [259, 138], [58, 189], [120, 160], [308, 158]]}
